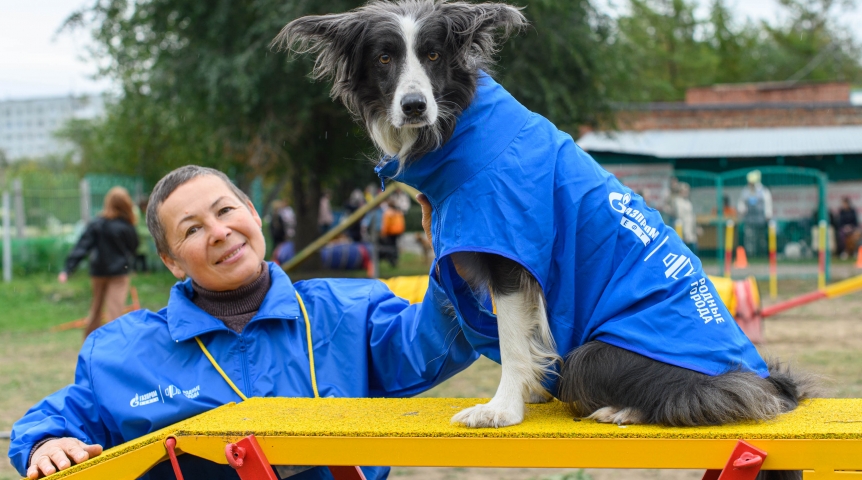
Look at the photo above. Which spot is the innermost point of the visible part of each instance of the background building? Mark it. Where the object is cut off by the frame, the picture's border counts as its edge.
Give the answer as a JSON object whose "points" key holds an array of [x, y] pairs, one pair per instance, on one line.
{"points": [[27, 127]]}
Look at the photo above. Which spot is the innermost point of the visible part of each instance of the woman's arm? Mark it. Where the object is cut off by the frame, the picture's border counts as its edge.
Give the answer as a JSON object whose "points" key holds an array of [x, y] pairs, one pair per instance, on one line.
{"points": [[81, 249], [70, 416]]}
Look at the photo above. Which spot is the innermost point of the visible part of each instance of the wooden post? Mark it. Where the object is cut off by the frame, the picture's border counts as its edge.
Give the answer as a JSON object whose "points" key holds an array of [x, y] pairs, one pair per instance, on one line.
{"points": [[85, 200]]}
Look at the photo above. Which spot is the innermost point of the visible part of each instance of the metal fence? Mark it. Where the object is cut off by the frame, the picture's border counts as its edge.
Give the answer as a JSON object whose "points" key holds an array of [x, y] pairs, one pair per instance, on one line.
{"points": [[47, 214], [798, 205]]}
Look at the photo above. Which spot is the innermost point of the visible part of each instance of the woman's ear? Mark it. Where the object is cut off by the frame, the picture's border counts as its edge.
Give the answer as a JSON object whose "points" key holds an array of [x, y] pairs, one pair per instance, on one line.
{"points": [[173, 266], [254, 213]]}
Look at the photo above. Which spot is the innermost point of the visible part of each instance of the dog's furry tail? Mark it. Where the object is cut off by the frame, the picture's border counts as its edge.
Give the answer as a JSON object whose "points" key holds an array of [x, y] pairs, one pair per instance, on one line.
{"points": [[598, 375]]}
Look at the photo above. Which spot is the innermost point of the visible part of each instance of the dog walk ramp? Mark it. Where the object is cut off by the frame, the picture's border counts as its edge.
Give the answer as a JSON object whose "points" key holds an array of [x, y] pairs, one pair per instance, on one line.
{"points": [[822, 437]]}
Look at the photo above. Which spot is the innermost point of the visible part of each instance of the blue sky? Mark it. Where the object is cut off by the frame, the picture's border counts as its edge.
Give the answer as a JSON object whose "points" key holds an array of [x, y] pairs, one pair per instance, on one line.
{"points": [[36, 62]]}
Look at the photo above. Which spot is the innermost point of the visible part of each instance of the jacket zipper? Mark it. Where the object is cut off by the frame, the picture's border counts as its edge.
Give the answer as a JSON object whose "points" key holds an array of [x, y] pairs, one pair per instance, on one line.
{"points": [[245, 379]]}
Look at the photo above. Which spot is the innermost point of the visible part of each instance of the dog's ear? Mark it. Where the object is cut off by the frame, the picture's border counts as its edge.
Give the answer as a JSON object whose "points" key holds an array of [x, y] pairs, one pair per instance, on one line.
{"points": [[477, 30], [333, 38]]}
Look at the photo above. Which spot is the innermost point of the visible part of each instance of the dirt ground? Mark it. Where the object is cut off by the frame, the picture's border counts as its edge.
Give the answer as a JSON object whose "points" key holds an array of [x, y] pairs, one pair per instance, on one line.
{"points": [[823, 338]]}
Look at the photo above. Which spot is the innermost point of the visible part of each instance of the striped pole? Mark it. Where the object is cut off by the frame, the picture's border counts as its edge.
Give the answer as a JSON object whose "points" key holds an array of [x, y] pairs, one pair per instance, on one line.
{"points": [[728, 247], [821, 264], [832, 291], [773, 262]]}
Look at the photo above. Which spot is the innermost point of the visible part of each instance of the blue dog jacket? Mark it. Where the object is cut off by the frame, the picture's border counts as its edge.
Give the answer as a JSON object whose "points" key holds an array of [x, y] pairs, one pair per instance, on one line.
{"points": [[509, 183]]}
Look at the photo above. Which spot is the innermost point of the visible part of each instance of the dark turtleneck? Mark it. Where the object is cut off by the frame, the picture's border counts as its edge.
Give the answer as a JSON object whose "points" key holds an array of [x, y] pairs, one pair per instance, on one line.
{"points": [[234, 307]]}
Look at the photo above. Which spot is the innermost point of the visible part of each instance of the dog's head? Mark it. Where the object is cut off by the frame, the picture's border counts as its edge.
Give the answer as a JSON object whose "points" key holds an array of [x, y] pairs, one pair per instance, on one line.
{"points": [[405, 68]]}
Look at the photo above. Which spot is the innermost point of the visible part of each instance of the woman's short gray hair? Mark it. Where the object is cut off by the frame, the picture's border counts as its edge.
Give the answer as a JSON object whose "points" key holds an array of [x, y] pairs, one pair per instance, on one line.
{"points": [[166, 187]]}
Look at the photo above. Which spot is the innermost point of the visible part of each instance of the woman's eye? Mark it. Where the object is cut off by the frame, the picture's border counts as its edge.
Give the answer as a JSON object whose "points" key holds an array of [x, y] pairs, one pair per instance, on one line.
{"points": [[384, 59], [225, 210], [191, 231], [433, 56]]}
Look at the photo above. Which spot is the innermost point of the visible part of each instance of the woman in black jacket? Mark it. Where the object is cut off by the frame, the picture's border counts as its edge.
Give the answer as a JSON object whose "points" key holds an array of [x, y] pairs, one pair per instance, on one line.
{"points": [[111, 242]]}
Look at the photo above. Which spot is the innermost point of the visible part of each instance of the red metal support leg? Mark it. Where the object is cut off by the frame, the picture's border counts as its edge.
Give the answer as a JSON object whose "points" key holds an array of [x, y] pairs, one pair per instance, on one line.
{"points": [[744, 464], [347, 473], [170, 445], [248, 459]]}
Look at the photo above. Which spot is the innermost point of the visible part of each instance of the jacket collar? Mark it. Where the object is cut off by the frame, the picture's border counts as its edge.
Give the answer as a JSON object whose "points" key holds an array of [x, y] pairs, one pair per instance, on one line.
{"points": [[186, 320], [484, 130]]}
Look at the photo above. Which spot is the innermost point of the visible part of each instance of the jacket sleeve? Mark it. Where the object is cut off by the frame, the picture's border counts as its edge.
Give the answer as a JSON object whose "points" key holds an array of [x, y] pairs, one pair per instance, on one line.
{"points": [[82, 248], [412, 348], [70, 412]]}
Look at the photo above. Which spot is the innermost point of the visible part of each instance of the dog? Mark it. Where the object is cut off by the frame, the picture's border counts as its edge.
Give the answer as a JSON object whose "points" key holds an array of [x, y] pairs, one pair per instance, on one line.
{"points": [[414, 73]]}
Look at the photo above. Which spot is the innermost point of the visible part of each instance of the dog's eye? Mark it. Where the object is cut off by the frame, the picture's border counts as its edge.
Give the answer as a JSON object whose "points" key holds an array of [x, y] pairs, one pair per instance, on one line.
{"points": [[384, 59], [433, 56]]}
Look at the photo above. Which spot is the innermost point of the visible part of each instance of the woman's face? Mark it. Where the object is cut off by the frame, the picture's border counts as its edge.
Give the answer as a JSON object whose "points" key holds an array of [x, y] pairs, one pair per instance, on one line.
{"points": [[215, 238]]}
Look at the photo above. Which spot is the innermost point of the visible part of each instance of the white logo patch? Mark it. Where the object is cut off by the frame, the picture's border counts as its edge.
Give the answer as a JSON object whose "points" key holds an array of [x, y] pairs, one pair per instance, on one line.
{"points": [[192, 393], [636, 222], [171, 391], [145, 399]]}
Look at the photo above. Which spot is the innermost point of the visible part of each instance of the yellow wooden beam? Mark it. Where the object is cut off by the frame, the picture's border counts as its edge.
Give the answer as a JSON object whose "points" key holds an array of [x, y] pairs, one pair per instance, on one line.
{"points": [[822, 436]]}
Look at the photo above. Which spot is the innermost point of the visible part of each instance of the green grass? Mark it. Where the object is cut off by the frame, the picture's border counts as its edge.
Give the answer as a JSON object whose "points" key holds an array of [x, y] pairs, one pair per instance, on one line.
{"points": [[37, 302]]}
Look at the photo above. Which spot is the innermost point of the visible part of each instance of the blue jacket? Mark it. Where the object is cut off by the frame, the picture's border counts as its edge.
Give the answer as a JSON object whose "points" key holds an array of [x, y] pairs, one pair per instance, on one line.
{"points": [[144, 371], [509, 183]]}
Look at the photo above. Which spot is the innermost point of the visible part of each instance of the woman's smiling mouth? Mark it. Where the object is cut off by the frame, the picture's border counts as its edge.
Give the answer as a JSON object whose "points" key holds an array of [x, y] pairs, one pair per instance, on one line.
{"points": [[234, 253]]}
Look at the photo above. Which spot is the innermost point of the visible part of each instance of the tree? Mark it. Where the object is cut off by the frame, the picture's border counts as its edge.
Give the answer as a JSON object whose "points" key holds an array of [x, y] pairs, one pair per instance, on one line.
{"points": [[558, 66], [200, 84]]}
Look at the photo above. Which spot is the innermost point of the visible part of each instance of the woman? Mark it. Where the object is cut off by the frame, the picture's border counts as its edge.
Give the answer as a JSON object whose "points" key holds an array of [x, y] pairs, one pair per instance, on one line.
{"points": [[111, 242], [236, 327]]}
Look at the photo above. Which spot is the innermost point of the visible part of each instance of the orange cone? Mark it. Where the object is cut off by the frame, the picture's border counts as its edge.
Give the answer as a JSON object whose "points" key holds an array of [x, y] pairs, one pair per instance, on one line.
{"points": [[741, 258], [859, 258]]}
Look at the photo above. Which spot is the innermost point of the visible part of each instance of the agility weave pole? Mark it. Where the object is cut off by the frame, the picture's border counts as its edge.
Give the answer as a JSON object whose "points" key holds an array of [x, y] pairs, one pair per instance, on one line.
{"points": [[823, 437]]}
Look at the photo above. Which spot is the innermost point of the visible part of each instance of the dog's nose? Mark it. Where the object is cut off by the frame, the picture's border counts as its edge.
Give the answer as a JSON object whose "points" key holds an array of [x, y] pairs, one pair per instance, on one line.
{"points": [[413, 104]]}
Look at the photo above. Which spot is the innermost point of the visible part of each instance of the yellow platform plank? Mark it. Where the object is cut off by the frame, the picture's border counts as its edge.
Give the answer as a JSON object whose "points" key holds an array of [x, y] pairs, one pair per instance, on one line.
{"points": [[822, 436]]}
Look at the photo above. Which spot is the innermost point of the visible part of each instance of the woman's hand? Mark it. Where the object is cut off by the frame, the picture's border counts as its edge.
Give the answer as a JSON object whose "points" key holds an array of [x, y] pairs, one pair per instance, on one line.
{"points": [[60, 454], [62, 277]]}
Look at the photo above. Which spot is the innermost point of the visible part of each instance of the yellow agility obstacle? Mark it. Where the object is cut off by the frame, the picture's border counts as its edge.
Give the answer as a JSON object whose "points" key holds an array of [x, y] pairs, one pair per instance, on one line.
{"points": [[823, 437]]}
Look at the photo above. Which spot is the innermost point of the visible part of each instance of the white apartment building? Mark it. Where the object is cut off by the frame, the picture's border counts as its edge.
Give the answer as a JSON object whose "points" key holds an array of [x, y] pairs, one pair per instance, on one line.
{"points": [[27, 126]]}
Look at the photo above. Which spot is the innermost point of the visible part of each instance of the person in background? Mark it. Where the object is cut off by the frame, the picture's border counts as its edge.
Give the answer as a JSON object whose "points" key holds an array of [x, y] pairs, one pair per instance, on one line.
{"points": [[684, 214], [755, 210], [111, 243], [354, 203], [847, 228], [391, 229], [324, 213]]}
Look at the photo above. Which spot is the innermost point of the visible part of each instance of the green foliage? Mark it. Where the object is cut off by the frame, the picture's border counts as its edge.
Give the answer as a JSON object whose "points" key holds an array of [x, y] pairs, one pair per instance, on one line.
{"points": [[557, 67], [662, 48]]}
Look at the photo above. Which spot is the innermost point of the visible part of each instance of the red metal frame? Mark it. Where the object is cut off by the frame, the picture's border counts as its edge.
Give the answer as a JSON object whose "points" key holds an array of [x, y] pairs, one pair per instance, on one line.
{"points": [[744, 464], [249, 461], [346, 473]]}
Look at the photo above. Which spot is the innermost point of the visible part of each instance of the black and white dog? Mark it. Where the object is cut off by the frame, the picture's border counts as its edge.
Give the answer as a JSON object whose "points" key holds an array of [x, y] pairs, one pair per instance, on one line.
{"points": [[407, 70]]}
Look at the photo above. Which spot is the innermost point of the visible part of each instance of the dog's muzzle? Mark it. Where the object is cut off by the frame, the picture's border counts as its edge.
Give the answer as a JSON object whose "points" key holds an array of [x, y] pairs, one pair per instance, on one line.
{"points": [[413, 106]]}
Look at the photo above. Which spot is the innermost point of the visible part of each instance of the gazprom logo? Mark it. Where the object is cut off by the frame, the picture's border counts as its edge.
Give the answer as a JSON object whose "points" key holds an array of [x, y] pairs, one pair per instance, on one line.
{"points": [[619, 201], [171, 391]]}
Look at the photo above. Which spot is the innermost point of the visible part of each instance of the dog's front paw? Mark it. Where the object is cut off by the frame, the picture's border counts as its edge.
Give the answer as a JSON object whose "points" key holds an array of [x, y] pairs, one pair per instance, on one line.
{"points": [[489, 415], [620, 416]]}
